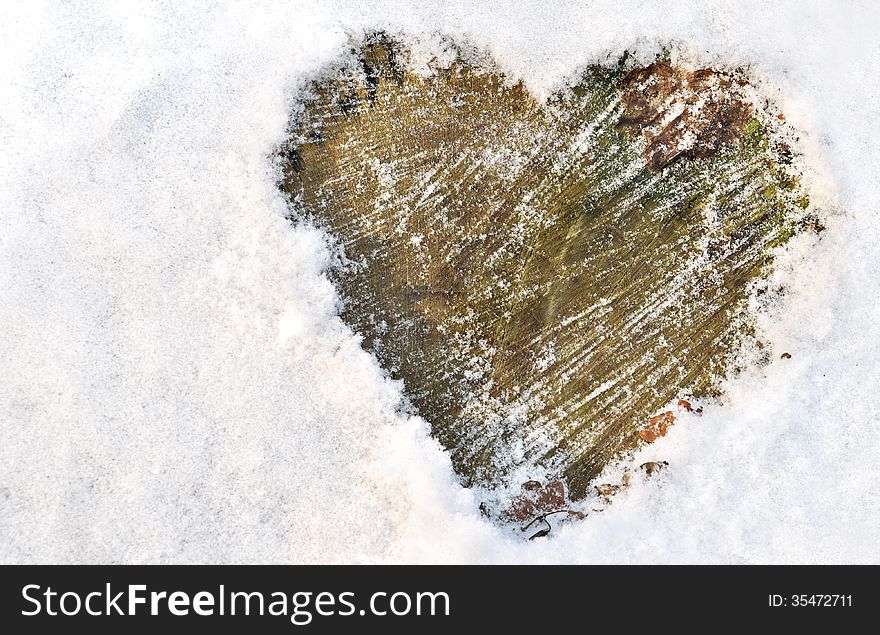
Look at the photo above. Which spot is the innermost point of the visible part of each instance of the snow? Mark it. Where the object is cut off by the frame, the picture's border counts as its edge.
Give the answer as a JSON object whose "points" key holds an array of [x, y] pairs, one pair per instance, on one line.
{"points": [[175, 385]]}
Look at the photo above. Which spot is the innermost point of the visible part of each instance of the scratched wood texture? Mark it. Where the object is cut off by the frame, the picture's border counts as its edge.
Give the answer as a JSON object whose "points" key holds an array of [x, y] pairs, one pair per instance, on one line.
{"points": [[542, 276]]}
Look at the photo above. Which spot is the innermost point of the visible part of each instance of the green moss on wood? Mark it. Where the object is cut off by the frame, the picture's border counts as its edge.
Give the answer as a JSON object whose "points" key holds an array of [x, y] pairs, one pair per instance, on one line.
{"points": [[538, 287]]}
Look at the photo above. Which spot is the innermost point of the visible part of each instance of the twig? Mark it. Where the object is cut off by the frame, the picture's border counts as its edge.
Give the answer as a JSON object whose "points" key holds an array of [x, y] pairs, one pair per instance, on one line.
{"points": [[543, 518]]}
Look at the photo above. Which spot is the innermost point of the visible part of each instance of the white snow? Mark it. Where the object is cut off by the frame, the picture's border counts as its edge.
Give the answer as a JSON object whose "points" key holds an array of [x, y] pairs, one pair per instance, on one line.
{"points": [[175, 385]]}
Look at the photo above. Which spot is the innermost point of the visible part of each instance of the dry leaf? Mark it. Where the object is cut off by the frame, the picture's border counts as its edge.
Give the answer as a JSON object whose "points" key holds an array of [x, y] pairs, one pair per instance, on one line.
{"points": [[652, 467], [662, 422], [531, 486], [552, 497], [607, 489], [521, 509], [658, 426], [648, 435], [536, 499]]}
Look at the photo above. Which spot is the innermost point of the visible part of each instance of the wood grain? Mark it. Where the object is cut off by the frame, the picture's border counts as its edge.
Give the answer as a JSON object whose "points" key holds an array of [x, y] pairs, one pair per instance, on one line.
{"points": [[539, 285]]}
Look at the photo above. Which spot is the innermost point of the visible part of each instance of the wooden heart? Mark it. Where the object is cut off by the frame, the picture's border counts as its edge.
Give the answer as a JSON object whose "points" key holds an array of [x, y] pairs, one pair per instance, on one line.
{"points": [[544, 277]]}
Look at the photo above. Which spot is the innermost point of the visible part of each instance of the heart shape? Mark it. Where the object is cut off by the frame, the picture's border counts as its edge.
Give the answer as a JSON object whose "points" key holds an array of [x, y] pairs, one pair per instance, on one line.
{"points": [[544, 277]]}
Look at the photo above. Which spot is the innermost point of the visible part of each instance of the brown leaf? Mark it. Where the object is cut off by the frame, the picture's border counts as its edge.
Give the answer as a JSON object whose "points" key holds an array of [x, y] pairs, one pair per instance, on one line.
{"points": [[552, 497], [684, 403], [652, 467], [531, 486], [607, 489], [662, 421], [658, 426], [786, 356], [521, 509], [536, 499]]}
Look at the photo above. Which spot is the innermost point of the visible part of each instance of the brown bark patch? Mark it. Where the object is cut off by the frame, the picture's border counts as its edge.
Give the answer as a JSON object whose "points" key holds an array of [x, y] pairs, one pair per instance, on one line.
{"points": [[680, 113]]}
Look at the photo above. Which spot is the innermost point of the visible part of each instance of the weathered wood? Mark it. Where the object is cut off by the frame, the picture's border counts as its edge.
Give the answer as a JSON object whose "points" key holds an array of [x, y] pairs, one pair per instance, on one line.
{"points": [[543, 277]]}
